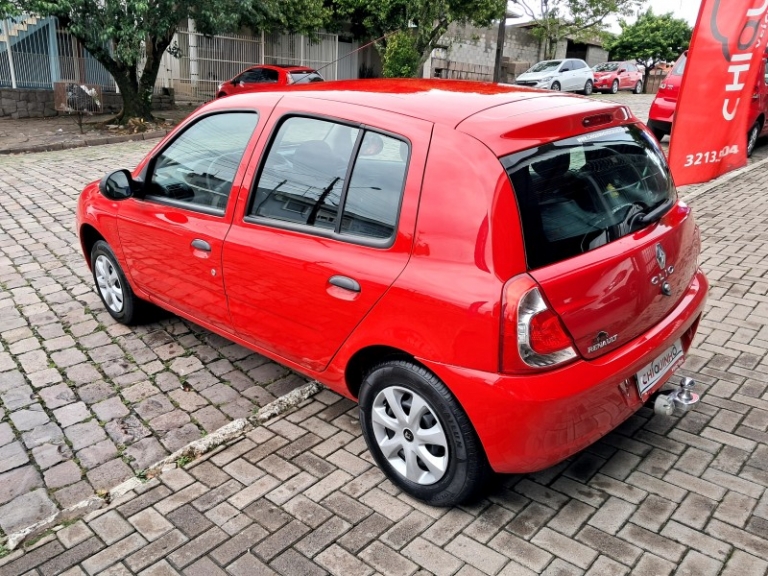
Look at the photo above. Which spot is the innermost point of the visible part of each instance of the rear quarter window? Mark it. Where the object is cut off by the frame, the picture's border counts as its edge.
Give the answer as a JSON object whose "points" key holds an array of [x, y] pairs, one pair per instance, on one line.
{"points": [[579, 194]]}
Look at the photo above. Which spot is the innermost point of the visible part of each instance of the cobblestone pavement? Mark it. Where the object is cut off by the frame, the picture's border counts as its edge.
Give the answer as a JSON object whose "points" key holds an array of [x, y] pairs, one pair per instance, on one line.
{"points": [[85, 402], [684, 495]]}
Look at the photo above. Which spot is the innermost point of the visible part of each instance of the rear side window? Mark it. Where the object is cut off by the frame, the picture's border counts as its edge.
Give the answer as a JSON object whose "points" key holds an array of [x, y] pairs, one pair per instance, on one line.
{"points": [[323, 175], [584, 192], [304, 77]]}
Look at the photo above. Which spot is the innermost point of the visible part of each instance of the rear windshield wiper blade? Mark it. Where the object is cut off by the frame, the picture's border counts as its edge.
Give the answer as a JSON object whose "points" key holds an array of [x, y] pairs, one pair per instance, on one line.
{"points": [[656, 213]]}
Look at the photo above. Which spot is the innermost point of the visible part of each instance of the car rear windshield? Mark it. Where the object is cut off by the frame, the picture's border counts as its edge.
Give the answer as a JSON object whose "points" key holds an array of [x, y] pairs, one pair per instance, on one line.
{"points": [[679, 66], [581, 193]]}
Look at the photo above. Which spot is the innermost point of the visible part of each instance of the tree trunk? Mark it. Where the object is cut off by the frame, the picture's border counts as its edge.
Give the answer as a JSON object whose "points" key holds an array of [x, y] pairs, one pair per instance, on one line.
{"points": [[137, 101]]}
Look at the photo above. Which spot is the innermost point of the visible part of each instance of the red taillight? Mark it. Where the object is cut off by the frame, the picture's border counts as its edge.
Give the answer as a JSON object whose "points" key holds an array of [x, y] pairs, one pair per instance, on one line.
{"points": [[532, 335], [547, 334]]}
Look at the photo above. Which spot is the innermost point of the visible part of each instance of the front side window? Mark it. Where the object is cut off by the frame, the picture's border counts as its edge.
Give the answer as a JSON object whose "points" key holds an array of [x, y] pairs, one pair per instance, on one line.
{"points": [[584, 192], [199, 166], [304, 179], [577, 65]]}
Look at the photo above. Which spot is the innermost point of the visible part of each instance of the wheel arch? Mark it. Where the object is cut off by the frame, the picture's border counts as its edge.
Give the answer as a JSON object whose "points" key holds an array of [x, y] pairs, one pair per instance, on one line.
{"points": [[88, 238], [366, 358]]}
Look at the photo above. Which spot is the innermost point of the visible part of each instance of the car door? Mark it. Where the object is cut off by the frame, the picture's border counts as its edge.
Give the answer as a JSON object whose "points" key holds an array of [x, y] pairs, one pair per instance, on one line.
{"points": [[328, 227], [564, 75], [581, 74], [172, 234]]}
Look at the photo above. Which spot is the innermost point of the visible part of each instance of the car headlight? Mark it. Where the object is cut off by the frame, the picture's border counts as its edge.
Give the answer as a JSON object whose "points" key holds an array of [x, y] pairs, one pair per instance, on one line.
{"points": [[220, 85], [547, 79]]}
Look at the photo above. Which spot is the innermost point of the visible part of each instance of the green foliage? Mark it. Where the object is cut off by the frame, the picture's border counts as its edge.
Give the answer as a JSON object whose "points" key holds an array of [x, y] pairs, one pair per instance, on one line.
{"points": [[400, 58], [122, 33], [579, 20], [424, 20], [651, 39]]}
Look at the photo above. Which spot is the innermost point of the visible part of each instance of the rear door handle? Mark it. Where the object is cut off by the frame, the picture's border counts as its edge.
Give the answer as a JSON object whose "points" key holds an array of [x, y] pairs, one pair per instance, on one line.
{"points": [[201, 245], [345, 282]]}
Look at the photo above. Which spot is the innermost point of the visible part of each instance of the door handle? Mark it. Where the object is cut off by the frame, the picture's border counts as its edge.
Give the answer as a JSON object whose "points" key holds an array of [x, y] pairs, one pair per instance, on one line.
{"points": [[201, 245], [345, 282]]}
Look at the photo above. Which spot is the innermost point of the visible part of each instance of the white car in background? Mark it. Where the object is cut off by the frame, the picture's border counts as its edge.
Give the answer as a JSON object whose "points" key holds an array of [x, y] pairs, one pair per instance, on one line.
{"points": [[568, 75]]}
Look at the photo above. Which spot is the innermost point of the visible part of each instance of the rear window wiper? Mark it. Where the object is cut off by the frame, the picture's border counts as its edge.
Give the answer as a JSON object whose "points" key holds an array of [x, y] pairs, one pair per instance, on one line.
{"points": [[656, 213]]}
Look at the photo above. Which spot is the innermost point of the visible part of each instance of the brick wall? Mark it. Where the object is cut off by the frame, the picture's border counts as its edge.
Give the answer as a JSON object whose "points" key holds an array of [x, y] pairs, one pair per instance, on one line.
{"points": [[21, 103]]}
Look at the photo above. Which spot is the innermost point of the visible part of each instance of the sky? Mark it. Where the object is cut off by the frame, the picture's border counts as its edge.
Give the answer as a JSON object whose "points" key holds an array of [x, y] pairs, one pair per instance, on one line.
{"points": [[688, 10]]}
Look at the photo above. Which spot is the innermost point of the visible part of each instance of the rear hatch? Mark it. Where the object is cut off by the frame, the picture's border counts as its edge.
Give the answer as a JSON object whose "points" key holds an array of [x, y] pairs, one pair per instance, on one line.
{"points": [[605, 237], [670, 87]]}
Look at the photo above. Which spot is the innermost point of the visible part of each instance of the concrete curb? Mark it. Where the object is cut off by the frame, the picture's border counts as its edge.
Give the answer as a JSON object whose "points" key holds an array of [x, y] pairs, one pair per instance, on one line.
{"points": [[725, 178], [99, 141], [231, 431]]}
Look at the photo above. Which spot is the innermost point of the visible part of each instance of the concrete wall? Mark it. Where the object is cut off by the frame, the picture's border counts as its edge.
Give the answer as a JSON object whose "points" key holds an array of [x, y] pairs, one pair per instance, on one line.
{"points": [[22, 103], [596, 55]]}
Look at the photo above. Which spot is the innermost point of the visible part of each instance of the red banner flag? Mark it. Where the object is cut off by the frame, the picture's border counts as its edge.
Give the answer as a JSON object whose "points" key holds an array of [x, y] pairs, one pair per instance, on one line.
{"points": [[720, 94]]}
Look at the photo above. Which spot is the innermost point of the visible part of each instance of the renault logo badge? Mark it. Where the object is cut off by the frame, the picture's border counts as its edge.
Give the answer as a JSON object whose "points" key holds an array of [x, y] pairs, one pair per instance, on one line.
{"points": [[661, 257]]}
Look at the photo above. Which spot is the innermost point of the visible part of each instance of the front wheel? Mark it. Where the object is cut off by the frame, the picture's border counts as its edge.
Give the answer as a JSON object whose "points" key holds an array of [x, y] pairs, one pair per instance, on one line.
{"points": [[112, 286], [419, 434], [638, 87], [752, 135], [555, 86], [615, 87], [588, 87]]}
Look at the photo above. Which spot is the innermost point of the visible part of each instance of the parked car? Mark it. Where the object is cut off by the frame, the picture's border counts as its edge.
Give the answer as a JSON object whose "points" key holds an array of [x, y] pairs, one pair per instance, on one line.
{"points": [[497, 310], [267, 77], [570, 75], [662, 112], [610, 77]]}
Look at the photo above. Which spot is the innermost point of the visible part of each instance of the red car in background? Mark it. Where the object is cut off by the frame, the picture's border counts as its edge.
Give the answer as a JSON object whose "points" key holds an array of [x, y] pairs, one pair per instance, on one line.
{"points": [[267, 77], [662, 111], [610, 77]]}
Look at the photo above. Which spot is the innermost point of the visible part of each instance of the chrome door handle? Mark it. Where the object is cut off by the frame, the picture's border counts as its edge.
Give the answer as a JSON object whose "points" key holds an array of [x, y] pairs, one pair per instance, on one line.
{"points": [[201, 245], [345, 282]]}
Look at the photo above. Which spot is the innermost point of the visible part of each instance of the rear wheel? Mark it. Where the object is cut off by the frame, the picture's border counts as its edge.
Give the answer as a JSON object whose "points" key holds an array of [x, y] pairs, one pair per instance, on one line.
{"points": [[555, 85], [752, 135], [658, 133], [638, 87], [588, 87], [419, 435], [615, 87], [111, 284]]}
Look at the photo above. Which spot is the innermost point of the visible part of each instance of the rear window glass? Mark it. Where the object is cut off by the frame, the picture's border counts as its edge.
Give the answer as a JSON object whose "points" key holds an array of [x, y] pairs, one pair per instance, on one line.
{"points": [[305, 77], [581, 193], [679, 66]]}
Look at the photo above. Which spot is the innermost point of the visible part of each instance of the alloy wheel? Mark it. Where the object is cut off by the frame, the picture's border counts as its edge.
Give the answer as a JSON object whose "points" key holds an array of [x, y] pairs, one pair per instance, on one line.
{"points": [[409, 435], [752, 138], [108, 282]]}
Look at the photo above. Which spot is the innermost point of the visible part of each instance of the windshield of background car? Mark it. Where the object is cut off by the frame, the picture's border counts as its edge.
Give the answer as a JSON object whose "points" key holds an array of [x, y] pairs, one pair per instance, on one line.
{"points": [[607, 67], [679, 66], [548, 66], [581, 193], [305, 77]]}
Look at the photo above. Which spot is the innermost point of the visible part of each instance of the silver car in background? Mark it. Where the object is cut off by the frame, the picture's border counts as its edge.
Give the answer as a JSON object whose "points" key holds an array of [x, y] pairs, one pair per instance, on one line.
{"points": [[568, 75]]}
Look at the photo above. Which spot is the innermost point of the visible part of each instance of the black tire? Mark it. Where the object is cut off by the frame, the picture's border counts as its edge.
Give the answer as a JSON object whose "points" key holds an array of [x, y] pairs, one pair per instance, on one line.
{"points": [[752, 136], [615, 87], [465, 465], [127, 310], [220, 95], [638, 87], [658, 133], [556, 86], [588, 88]]}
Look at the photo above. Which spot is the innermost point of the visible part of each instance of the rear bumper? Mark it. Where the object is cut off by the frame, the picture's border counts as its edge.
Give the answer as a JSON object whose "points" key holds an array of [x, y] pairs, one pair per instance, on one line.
{"points": [[662, 111], [528, 423], [660, 125]]}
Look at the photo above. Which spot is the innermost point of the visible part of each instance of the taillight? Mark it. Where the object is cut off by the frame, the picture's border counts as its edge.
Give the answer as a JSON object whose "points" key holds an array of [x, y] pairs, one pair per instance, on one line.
{"points": [[532, 335]]}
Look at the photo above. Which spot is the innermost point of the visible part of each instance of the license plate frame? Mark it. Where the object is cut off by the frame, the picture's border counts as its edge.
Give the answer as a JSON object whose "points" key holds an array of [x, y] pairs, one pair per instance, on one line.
{"points": [[659, 368]]}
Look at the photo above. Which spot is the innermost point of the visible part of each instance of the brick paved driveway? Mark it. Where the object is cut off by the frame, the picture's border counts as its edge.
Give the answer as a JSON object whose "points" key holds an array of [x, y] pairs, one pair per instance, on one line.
{"points": [[300, 496], [87, 402]]}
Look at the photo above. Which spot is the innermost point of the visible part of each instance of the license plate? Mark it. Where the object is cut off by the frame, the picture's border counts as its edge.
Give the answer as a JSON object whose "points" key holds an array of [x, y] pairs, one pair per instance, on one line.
{"points": [[666, 363]]}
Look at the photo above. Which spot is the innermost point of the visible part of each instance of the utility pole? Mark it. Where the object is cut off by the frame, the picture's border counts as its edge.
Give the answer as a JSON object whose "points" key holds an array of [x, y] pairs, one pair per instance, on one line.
{"points": [[500, 37]]}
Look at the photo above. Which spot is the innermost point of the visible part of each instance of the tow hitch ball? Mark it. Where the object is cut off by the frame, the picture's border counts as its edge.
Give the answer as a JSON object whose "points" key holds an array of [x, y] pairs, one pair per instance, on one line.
{"points": [[683, 398]]}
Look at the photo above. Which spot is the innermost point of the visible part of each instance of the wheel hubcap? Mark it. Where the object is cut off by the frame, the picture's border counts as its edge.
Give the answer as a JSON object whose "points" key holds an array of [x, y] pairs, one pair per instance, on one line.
{"points": [[410, 435], [109, 283]]}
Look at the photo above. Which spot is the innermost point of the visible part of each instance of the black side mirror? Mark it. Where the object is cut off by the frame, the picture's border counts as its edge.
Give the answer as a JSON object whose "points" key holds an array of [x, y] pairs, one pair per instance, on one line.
{"points": [[622, 71], [565, 70], [118, 185]]}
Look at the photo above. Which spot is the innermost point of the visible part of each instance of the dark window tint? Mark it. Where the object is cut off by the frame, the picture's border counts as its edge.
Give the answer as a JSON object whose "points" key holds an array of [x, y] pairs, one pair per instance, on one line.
{"points": [[259, 75], [375, 188], [303, 179], [679, 66], [578, 194], [305, 77], [199, 166]]}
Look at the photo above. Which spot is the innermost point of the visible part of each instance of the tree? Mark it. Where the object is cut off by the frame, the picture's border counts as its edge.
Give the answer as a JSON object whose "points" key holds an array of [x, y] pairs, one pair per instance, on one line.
{"points": [[129, 37], [579, 19], [650, 40], [412, 26]]}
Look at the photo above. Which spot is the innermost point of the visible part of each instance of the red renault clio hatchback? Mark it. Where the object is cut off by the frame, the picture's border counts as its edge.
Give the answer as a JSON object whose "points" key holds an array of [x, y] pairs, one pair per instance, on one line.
{"points": [[500, 276]]}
